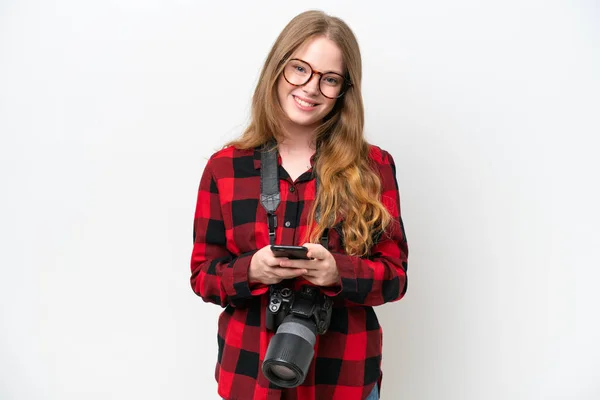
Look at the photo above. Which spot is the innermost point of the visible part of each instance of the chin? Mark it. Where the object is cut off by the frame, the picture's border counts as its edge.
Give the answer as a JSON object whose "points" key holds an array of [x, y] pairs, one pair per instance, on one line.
{"points": [[303, 121]]}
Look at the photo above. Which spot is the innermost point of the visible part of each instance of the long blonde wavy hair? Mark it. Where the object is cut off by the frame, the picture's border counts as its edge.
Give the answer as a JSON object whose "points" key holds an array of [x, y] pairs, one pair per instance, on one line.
{"points": [[350, 187]]}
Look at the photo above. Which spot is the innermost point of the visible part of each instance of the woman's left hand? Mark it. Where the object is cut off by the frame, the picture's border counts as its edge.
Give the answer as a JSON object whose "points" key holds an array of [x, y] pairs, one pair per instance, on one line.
{"points": [[322, 269]]}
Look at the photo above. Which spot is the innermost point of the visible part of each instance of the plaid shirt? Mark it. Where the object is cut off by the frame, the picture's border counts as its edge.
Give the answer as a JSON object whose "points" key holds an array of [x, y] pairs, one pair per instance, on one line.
{"points": [[230, 225]]}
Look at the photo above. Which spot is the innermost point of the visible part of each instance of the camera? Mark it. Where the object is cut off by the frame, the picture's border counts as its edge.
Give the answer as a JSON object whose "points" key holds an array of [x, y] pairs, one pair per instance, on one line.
{"points": [[297, 318]]}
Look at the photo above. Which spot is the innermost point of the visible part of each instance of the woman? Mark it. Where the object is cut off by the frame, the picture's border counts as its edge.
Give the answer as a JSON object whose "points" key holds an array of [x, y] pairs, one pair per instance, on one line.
{"points": [[338, 197]]}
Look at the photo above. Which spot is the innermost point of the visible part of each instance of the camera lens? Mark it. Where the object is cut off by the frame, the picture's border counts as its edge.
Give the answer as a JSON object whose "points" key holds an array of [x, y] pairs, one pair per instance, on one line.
{"points": [[283, 372], [290, 352]]}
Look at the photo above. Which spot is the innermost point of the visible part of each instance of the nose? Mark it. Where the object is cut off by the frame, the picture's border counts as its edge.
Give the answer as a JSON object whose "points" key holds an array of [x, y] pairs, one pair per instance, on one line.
{"points": [[312, 86]]}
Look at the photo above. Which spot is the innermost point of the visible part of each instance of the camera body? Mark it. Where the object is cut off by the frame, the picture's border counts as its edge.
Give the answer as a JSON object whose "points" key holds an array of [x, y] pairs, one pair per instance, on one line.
{"points": [[308, 303], [297, 318]]}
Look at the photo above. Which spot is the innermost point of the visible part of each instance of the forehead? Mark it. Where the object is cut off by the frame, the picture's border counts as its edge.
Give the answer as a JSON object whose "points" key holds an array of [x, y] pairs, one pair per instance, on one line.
{"points": [[322, 54]]}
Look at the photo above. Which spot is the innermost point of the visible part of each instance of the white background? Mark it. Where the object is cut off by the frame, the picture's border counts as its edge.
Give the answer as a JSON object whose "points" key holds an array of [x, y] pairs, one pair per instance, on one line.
{"points": [[109, 110]]}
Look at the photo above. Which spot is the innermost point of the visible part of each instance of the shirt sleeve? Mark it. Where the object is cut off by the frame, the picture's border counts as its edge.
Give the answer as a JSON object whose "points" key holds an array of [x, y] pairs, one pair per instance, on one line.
{"points": [[217, 275], [382, 277]]}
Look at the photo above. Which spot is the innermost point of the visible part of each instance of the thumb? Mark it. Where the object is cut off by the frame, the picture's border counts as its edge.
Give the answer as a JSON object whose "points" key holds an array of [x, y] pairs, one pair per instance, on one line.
{"points": [[315, 250]]}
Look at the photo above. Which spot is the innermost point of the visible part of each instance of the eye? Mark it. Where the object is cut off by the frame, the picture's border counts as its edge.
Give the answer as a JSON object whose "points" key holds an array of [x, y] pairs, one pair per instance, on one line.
{"points": [[299, 68], [331, 80]]}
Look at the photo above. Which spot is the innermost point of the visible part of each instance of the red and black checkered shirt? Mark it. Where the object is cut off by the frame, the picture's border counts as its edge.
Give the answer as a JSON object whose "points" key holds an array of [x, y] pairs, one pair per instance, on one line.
{"points": [[230, 225]]}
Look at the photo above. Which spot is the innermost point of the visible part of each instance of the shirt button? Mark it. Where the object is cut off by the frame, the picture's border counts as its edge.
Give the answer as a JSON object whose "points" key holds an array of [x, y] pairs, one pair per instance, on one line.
{"points": [[287, 224], [292, 189]]}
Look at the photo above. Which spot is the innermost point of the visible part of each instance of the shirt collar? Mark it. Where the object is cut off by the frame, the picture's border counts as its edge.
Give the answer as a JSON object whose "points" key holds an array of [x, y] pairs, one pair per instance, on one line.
{"points": [[257, 158]]}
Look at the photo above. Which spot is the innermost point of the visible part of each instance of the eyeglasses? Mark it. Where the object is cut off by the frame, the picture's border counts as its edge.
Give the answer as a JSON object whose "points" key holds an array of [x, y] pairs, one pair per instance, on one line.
{"points": [[331, 84]]}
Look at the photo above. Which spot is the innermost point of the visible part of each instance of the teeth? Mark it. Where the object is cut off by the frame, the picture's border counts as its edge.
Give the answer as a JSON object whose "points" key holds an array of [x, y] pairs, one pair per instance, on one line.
{"points": [[303, 103]]}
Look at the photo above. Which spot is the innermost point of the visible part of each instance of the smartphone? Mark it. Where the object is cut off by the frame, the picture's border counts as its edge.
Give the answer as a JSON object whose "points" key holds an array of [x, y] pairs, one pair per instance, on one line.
{"points": [[291, 252]]}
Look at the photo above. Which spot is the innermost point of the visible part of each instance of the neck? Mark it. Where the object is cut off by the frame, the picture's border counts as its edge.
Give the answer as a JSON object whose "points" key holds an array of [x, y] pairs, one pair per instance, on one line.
{"points": [[299, 137]]}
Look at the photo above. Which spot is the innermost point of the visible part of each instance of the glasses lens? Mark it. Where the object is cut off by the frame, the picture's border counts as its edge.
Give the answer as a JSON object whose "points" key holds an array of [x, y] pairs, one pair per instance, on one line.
{"points": [[297, 72], [332, 85]]}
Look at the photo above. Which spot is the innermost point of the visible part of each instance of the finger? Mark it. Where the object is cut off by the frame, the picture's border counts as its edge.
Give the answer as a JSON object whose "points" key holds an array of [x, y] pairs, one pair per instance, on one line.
{"points": [[286, 273], [311, 274], [305, 264], [274, 261], [316, 251]]}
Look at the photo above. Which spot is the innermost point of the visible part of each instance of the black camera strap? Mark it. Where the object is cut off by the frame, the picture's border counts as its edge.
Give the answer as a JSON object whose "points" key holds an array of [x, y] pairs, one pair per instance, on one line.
{"points": [[270, 195]]}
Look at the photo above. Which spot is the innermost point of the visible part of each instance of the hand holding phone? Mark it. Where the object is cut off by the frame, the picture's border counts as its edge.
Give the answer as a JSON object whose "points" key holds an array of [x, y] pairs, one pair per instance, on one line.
{"points": [[265, 267], [321, 271]]}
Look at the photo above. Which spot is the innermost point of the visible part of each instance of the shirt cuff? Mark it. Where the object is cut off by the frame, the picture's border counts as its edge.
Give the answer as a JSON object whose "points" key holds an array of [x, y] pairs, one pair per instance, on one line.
{"points": [[235, 281], [346, 266]]}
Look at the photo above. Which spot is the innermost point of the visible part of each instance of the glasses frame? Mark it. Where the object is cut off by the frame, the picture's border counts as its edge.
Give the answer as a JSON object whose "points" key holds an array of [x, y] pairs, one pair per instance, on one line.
{"points": [[345, 85]]}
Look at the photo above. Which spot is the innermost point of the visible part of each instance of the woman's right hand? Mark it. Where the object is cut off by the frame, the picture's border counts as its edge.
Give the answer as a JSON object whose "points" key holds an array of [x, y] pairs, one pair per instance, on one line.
{"points": [[264, 268]]}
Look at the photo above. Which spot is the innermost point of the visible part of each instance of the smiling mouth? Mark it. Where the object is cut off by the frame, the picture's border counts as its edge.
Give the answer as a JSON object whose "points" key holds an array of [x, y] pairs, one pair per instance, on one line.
{"points": [[304, 103]]}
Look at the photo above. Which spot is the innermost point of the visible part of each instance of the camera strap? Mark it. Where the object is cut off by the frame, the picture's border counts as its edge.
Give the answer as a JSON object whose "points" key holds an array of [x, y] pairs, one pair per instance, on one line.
{"points": [[270, 195]]}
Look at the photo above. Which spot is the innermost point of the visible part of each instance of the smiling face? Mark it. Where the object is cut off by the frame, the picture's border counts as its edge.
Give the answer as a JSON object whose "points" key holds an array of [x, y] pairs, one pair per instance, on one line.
{"points": [[305, 105]]}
